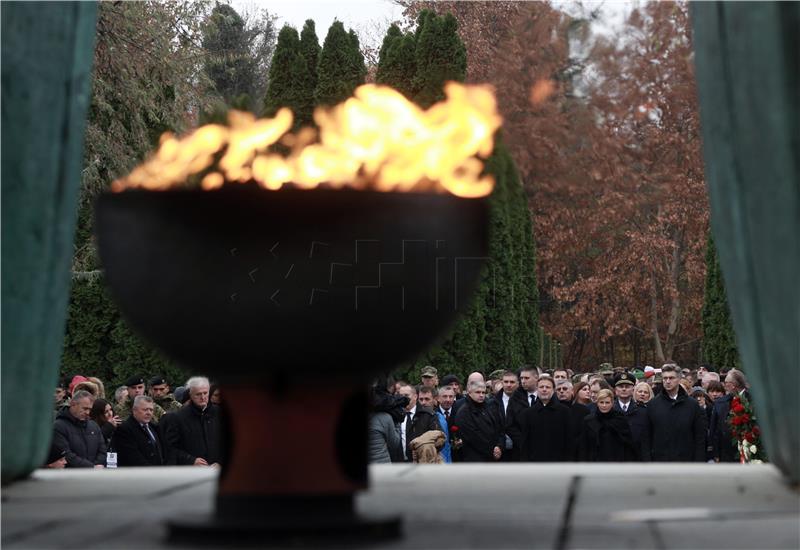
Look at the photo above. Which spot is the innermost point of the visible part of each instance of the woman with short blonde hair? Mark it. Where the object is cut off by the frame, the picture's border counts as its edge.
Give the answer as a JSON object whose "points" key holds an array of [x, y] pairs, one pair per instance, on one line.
{"points": [[642, 394]]}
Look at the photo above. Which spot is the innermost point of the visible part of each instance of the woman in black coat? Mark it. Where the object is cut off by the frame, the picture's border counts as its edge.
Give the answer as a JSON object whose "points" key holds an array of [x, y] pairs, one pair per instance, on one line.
{"points": [[478, 428], [103, 414], [606, 434]]}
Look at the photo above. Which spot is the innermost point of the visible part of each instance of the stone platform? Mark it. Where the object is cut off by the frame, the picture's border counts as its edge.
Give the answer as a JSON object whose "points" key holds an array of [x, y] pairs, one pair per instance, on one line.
{"points": [[492, 506]]}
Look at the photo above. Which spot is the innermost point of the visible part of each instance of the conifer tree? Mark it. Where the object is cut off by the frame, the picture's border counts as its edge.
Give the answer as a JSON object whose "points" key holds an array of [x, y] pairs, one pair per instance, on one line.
{"points": [[341, 66], [398, 66], [719, 338], [500, 329], [440, 56], [290, 84], [310, 49]]}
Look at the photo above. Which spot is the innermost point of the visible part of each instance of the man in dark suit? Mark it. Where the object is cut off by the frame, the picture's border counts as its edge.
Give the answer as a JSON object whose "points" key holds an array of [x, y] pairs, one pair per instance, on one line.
{"points": [[523, 397], [137, 441], [505, 413], [722, 447], [418, 420]]}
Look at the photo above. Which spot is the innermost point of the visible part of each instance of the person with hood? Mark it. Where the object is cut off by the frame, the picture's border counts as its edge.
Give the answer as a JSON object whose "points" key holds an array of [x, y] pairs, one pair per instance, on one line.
{"points": [[79, 435], [677, 424], [387, 411], [606, 435], [478, 427]]}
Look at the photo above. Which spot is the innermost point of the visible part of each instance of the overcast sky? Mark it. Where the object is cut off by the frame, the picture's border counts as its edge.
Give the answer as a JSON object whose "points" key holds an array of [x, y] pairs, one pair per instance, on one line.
{"points": [[355, 14]]}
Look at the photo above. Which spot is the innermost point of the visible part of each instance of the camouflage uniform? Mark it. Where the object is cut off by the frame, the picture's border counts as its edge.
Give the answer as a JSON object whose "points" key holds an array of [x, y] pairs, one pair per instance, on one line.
{"points": [[168, 403], [126, 409]]}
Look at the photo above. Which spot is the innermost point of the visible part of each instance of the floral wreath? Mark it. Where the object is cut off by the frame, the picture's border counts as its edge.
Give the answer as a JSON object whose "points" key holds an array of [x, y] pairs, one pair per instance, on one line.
{"points": [[745, 431]]}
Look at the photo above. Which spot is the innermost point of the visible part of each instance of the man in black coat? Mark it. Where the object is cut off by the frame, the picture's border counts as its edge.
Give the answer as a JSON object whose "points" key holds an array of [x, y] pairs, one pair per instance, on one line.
{"points": [[723, 449], [78, 435], [193, 435], [633, 413], [677, 424], [548, 427], [521, 400], [137, 441], [417, 421], [479, 427]]}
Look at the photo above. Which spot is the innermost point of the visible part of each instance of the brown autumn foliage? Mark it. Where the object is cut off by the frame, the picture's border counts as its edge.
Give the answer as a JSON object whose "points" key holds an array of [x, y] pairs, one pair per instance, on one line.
{"points": [[613, 169]]}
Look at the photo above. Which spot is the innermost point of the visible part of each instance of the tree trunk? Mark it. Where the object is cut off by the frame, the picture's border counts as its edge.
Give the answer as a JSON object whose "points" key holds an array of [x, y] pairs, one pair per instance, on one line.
{"points": [[658, 351], [677, 302]]}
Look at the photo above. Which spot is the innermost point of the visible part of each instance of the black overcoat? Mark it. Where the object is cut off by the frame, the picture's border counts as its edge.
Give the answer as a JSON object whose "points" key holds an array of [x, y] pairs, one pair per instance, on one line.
{"points": [[548, 432], [607, 438], [194, 433], [677, 429], [135, 448], [480, 430], [636, 415]]}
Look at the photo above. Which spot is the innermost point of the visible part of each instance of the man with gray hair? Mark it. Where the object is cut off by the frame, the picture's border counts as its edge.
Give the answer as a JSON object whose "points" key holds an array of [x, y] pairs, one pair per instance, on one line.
{"points": [[193, 434], [137, 441], [78, 434]]}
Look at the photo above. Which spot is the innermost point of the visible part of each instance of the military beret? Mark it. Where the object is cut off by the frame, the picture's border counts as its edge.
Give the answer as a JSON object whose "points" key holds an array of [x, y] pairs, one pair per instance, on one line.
{"points": [[496, 374], [606, 368], [429, 371], [134, 381], [157, 381], [624, 378]]}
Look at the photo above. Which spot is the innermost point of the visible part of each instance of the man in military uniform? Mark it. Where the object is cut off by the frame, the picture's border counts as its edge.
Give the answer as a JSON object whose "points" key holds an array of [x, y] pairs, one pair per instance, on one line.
{"points": [[135, 386], [607, 372], [430, 376], [159, 391]]}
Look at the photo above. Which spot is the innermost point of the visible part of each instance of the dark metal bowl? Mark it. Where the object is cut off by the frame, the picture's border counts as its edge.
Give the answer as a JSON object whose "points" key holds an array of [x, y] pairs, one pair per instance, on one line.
{"points": [[241, 281]]}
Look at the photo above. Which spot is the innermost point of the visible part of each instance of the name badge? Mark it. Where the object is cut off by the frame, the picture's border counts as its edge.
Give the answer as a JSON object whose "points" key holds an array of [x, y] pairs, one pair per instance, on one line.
{"points": [[111, 460]]}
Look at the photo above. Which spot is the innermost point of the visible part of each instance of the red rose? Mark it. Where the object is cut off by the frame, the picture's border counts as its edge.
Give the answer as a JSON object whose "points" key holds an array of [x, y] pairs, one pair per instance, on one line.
{"points": [[745, 418], [453, 429], [756, 431], [738, 408], [735, 400]]}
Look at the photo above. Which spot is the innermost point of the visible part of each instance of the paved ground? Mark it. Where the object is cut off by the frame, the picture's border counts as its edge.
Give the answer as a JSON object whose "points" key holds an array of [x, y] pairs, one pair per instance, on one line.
{"points": [[462, 506]]}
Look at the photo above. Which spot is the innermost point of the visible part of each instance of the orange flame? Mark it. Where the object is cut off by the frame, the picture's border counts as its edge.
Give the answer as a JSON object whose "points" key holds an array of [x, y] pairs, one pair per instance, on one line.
{"points": [[376, 139]]}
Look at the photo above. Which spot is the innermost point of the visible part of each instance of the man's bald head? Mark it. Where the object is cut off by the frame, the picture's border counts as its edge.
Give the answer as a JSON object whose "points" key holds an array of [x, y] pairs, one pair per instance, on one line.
{"points": [[475, 377]]}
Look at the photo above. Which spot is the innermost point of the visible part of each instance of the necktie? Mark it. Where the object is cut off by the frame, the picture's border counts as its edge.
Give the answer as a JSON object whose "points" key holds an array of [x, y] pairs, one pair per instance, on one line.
{"points": [[530, 399], [447, 414], [149, 433], [624, 408], [408, 419]]}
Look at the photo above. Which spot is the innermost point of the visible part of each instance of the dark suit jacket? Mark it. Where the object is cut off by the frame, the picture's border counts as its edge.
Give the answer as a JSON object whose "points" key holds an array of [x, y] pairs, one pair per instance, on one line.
{"points": [[135, 448]]}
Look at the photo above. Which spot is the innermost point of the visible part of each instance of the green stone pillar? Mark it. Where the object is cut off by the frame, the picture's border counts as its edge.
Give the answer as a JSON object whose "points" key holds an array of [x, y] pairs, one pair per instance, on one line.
{"points": [[47, 50], [747, 57]]}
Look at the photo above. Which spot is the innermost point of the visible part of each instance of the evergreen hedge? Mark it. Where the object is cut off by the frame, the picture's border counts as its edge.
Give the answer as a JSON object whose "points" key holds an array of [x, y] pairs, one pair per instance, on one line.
{"points": [[719, 338]]}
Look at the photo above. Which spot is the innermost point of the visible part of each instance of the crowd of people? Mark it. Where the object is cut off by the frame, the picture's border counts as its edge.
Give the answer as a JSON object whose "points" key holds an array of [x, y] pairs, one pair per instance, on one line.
{"points": [[142, 425], [667, 414]]}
